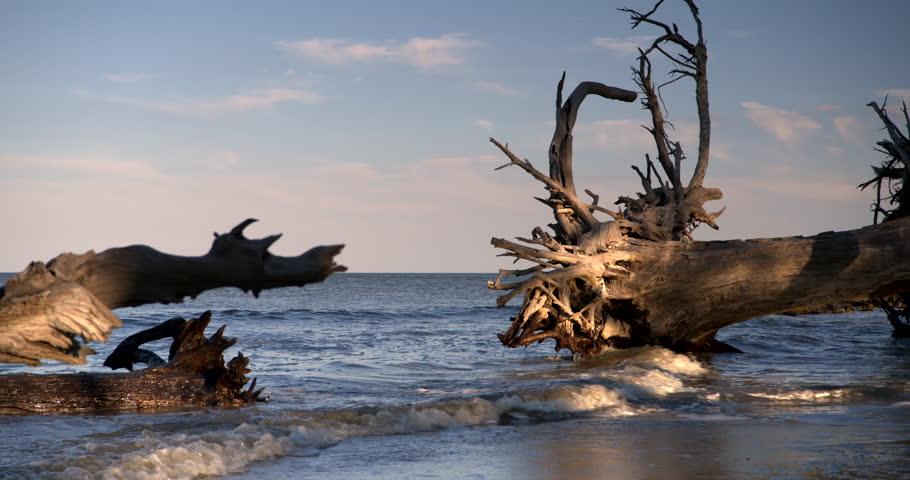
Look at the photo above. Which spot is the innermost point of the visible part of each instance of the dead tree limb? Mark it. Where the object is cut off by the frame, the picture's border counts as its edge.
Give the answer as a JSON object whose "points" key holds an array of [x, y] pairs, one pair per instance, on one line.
{"points": [[195, 375], [638, 277], [46, 308]]}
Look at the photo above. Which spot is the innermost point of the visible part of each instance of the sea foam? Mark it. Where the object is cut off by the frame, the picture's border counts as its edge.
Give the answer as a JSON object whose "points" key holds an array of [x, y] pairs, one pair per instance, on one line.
{"points": [[655, 373]]}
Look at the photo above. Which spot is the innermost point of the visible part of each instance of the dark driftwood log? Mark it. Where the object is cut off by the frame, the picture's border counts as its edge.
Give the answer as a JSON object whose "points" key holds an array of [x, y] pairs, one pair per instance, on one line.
{"points": [[44, 309], [196, 375], [639, 278], [677, 294]]}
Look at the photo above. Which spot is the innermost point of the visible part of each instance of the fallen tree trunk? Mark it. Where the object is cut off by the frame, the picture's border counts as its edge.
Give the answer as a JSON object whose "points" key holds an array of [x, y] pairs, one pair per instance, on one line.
{"points": [[639, 278], [677, 294], [195, 375], [893, 201], [44, 309]]}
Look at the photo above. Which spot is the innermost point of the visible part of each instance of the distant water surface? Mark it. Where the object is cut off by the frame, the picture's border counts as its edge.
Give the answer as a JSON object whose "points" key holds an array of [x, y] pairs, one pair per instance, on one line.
{"points": [[402, 376]]}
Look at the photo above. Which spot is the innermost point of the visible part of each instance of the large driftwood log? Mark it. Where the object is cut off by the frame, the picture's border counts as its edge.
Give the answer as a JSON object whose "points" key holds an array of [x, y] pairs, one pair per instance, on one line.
{"points": [[46, 308], [195, 375], [639, 278], [893, 201], [677, 294]]}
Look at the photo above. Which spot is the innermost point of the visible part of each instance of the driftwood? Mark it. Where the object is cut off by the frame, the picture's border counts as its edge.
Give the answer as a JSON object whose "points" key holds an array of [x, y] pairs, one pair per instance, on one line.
{"points": [[46, 308], [195, 375], [639, 278], [893, 201]]}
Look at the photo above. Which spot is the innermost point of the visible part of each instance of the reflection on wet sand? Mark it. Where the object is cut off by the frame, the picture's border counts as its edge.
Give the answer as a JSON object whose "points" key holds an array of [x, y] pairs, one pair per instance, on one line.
{"points": [[723, 448]]}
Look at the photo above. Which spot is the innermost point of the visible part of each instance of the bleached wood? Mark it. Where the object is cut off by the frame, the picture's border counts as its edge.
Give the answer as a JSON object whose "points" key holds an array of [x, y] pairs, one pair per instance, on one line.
{"points": [[46, 308]]}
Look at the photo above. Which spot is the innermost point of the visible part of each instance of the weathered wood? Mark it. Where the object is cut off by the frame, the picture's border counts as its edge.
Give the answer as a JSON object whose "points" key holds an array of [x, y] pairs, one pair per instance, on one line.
{"points": [[893, 177], [641, 279], [677, 294], [129, 352], [45, 308], [195, 376]]}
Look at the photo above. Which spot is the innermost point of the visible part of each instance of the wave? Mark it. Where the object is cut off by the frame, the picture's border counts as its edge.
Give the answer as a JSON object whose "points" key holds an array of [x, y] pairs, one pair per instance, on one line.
{"points": [[264, 434], [832, 394]]}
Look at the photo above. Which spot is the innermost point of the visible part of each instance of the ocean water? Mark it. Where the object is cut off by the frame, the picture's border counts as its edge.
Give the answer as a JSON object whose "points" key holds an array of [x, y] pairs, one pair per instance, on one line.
{"points": [[374, 376]]}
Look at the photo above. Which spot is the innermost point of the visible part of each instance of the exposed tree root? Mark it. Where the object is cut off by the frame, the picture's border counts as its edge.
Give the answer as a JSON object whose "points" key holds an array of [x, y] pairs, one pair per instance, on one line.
{"points": [[638, 277]]}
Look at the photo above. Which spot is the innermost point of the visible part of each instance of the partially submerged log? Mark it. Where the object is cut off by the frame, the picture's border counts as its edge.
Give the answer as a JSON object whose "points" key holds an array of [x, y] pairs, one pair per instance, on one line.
{"points": [[195, 375], [639, 278], [46, 308], [677, 294], [892, 201]]}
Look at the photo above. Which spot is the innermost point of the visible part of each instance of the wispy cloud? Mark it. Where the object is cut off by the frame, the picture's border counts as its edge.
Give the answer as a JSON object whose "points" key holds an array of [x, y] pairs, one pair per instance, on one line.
{"points": [[99, 167], [484, 124], [128, 77], [614, 135], [784, 125], [623, 46], [499, 89], [828, 108], [420, 52], [903, 93], [221, 160], [629, 134], [241, 102], [847, 127]]}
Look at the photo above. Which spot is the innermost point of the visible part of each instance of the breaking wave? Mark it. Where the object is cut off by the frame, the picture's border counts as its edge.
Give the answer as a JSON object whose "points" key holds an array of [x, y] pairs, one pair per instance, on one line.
{"points": [[628, 389]]}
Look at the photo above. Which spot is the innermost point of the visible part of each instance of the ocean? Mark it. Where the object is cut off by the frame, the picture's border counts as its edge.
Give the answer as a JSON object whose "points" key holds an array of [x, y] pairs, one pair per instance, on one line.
{"points": [[375, 376]]}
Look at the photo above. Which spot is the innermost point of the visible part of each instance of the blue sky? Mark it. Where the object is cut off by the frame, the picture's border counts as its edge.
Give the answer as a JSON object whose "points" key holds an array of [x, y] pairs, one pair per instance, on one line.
{"points": [[366, 123]]}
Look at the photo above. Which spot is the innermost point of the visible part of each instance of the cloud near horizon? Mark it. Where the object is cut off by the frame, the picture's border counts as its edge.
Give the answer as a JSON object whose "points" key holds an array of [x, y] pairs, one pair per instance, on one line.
{"points": [[96, 167], [784, 125], [420, 52], [240, 102], [396, 210], [407, 212]]}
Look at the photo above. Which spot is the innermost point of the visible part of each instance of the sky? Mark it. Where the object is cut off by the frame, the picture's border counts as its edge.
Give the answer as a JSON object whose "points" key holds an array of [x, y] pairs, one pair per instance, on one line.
{"points": [[367, 123]]}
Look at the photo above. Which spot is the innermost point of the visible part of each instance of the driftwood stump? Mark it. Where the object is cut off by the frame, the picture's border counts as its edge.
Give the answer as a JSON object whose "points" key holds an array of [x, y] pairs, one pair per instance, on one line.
{"points": [[195, 375]]}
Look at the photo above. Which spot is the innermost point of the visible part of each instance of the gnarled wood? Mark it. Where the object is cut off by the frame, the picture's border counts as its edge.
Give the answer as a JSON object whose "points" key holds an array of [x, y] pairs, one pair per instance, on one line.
{"points": [[44, 309], [639, 278], [677, 294], [894, 176], [196, 375]]}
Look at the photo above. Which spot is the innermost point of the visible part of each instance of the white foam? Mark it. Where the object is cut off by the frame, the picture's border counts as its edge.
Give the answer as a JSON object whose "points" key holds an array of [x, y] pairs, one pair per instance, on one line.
{"points": [[643, 383], [669, 361], [814, 396], [569, 399], [154, 456], [712, 417], [331, 428], [654, 373], [183, 457]]}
